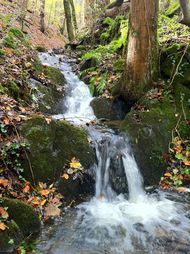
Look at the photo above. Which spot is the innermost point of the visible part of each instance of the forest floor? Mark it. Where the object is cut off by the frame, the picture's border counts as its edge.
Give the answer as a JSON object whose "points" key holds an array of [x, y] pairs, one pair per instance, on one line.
{"points": [[50, 39]]}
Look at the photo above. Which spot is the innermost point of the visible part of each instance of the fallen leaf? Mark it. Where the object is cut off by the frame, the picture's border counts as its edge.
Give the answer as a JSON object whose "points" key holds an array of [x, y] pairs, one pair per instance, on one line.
{"points": [[3, 213], [27, 187], [52, 211], [187, 163], [4, 182], [75, 164], [167, 174], [66, 176], [3, 226], [45, 192]]}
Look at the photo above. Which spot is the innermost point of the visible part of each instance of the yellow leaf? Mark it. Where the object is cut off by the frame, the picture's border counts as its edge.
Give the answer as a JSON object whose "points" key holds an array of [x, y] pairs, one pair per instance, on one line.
{"points": [[2, 226], [167, 174], [44, 192], [43, 202], [187, 163], [75, 164], [66, 176]]}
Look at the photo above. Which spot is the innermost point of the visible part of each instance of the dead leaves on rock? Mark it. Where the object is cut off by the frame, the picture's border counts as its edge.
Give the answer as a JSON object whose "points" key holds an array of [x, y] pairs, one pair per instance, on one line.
{"points": [[178, 172]]}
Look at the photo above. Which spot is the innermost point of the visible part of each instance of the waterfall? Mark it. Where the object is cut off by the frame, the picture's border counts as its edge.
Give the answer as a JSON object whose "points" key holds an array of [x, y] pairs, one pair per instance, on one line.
{"points": [[112, 223]]}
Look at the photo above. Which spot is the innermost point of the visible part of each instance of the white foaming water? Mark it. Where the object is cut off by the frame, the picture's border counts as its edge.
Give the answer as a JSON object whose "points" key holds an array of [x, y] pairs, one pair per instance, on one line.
{"points": [[111, 223], [77, 102]]}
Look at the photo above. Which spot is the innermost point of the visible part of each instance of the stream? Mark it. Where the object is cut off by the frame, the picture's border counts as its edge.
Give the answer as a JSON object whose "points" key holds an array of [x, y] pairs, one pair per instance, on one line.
{"points": [[139, 221]]}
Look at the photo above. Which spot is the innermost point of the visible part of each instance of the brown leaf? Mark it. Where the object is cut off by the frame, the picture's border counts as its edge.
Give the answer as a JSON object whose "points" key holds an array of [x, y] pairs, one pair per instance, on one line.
{"points": [[3, 213], [65, 176], [52, 211], [3, 226], [187, 163], [4, 182]]}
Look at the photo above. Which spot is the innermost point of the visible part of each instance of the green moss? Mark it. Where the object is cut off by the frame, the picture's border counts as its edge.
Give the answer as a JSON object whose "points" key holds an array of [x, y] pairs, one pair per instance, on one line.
{"points": [[10, 42], [24, 215], [13, 89], [173, 8], [2, 52], [17, 33], [119, 65], [52, 145], [11, 238], [54, 75], [41, 48]]}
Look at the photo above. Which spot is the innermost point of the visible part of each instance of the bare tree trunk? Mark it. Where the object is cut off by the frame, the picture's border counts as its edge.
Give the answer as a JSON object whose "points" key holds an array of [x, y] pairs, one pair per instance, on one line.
{"points": [[185, 8], [24, 5], [142, 54], [42, 16], [73, 15], [68, 18]]}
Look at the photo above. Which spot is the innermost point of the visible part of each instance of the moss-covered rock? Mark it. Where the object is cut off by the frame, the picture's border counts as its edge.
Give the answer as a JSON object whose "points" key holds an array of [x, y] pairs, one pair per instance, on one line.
{"points": [[23, 215], [150, 132], [48, 95], [11, 238], [174, 63], [52, 146]]}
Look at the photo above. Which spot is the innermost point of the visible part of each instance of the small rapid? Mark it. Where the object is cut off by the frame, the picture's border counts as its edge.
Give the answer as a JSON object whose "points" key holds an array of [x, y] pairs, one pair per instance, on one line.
{"points": [[134, 222]]}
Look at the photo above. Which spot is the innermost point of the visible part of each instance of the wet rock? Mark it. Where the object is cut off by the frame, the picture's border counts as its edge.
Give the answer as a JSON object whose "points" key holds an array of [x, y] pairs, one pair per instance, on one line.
{"points": [[89, 63], [52, 145], [11, 238], [150, 131], [75, 186], [48, 94], [106, 108], [23, 215]]}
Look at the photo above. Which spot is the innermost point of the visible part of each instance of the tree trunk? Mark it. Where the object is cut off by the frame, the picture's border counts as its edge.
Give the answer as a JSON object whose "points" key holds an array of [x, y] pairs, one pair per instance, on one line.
{"points": [[142, 52], [42, 16], [24, 5], [68, 18], [73, 14], [185, 8]]}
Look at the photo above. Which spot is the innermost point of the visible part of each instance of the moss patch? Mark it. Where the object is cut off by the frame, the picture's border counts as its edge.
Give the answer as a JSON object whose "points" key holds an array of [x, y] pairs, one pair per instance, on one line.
{"points": [[53, 145], [11, 238], [24, 215]]}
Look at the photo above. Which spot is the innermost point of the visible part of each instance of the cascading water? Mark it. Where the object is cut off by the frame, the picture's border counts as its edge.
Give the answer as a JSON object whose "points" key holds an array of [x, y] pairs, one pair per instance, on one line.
{"points": [[111, 223]]}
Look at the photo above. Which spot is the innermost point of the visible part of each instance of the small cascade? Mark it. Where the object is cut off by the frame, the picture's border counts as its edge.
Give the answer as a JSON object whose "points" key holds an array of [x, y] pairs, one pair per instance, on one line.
{"points": [[112, 223]]}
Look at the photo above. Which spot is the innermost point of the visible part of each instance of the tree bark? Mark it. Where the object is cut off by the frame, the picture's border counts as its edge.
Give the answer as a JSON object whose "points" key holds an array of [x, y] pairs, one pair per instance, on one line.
{"points": [[24, 5], [185, 8], [68, 18], [142, 51], [74, 15], [42, 16]]}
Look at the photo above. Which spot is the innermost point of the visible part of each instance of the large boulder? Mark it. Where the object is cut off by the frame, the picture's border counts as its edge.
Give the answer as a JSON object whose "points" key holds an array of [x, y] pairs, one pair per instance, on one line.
{"points": [[52, 145], [11, 238], [109, 108], [89, 63], [23, 215], [22, 222], [48, 92], [150, 132]]}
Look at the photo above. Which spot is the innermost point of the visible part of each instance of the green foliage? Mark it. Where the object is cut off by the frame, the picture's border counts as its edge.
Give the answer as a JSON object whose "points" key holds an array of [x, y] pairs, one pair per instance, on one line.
{"points": [[41, 48], [97, 84], [12, 154], [13, 89], [173, 8], [9, 41], [29, 247], [14, 36], [170, 28], [2, 52], [119, 64]]}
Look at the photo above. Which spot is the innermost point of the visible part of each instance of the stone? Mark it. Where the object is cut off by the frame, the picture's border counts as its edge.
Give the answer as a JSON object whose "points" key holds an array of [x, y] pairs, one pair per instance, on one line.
{"points": [[52, 145], [89, 63], [23, 215], [106, 108], [11, 238], [150, 132]]}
